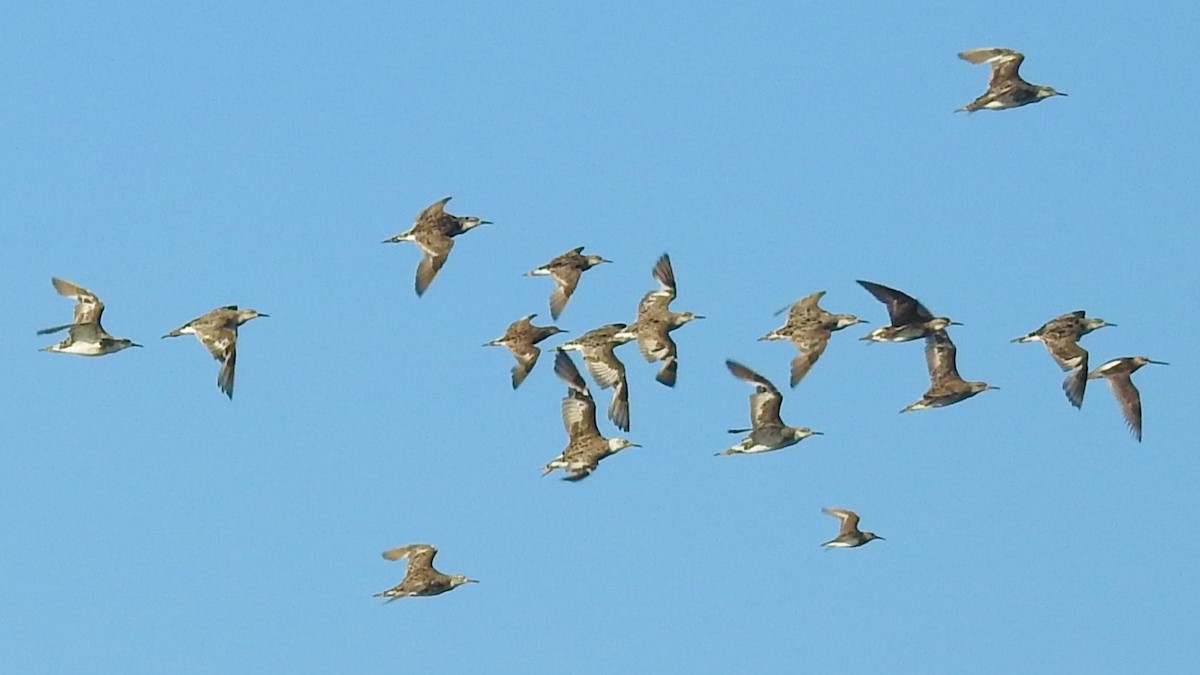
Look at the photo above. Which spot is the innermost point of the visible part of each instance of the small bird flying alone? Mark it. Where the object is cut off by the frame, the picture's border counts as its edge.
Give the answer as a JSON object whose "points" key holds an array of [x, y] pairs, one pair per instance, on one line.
{"points": [[420, 579], [218, 332], [433, 230], [1119, 373], [849, 535], [85, 335], [1005, 89]]}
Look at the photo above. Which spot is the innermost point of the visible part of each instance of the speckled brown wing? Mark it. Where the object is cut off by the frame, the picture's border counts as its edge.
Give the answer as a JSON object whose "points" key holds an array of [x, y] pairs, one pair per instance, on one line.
{"points": [[436, 247], [941, 357], [811, 342]]}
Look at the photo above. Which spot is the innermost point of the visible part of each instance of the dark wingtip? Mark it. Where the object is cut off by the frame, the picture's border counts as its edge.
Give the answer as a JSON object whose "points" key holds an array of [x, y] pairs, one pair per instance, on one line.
{"points": [[1075, 385]]}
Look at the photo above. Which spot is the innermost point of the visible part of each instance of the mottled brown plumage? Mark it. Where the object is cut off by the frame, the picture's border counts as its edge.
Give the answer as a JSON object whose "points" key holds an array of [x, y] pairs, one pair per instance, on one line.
{"points": [[520, 339], [433, 230], [566, 270], [809, 328], [420, 578], [1005, 89], [585, 446], [655, 321], [218, 332], [767, 430], [596, 346], [1061, 337], [946, 387]]}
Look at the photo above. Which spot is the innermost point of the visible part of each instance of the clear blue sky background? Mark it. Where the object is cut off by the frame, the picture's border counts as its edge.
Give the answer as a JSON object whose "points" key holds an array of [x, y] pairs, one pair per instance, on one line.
{"points": [[176, 159]]}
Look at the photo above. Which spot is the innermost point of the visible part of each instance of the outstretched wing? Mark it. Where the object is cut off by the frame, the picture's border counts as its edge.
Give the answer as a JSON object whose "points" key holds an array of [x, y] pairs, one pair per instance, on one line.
{"points": [[849, 519], [805, 308], [1006, 63], [566, 279], [903, 309], [436, 247], [419, 555], [1130, 399], [88, 308], [579, 416], [1065, 351], [940, 357], [812, 344]]}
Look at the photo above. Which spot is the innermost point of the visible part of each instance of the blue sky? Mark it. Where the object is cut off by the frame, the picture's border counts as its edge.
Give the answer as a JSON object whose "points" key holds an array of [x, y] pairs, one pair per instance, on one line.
{"points": [[176, 159]]}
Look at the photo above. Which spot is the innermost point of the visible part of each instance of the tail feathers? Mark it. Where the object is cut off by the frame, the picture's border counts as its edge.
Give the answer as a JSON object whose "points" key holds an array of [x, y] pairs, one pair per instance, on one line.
{"points": [[225, 377]]}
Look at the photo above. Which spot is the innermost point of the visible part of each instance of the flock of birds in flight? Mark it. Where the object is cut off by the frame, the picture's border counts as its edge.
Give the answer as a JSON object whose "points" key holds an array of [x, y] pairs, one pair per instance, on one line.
{"points": [[809, 327]]}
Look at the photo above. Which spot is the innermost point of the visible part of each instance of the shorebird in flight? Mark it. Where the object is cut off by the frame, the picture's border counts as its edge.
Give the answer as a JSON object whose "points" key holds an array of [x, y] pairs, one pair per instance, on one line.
{"points": [[767, 430], [655, 321], [218, 332], [946, 387], [585, 447], [1061, 337], [433, 230], [849, 535], [809, 328], [85, 335], [1119, 374], [565, 270], [520, 339], [596, 346], [910, 319], [420, 578], [1005, 89]]}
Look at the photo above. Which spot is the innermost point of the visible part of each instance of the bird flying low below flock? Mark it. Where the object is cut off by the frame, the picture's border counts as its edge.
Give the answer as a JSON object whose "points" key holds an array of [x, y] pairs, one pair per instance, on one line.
{"points": [[655, 321], [420, 579], [849, 536]]}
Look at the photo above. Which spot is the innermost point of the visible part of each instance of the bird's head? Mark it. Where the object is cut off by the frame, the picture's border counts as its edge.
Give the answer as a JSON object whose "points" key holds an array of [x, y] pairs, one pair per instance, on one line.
{"points": [[941, 323], [245, 315], [1047, 92], [844, 320], [619, 444], [802, 433]]}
